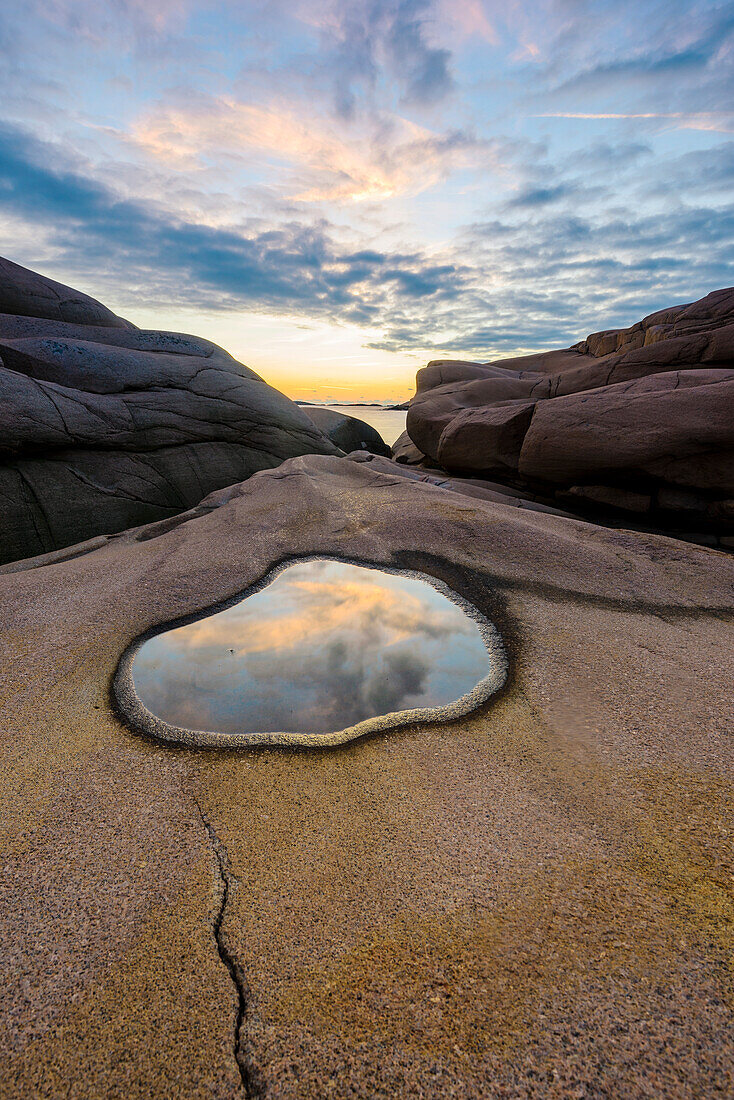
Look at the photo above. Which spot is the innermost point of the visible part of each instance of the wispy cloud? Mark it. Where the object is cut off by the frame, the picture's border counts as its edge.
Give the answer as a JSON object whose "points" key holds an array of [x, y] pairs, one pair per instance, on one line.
{"points": [[684, 62], [129, 22], [362, 41], [296, 267], [538, 278], [721, 121], [469, 19], [385, 157], [310, 610]]}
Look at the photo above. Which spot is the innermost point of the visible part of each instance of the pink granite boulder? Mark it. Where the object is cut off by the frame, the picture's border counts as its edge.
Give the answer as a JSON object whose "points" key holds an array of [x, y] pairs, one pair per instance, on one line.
{"points": [[617, 422]]}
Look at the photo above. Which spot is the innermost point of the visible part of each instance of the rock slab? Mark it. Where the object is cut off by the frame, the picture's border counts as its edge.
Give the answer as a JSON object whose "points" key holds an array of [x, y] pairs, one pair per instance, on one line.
{"points": [[349, 432], [535, 901]]}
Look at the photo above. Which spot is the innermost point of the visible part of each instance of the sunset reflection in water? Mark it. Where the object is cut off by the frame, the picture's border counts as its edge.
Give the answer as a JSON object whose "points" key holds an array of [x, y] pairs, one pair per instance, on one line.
{"points": [[324, 646]]}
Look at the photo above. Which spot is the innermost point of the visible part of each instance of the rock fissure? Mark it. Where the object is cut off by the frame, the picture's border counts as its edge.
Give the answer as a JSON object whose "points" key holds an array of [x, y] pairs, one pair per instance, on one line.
{"points": [[227, 886]]}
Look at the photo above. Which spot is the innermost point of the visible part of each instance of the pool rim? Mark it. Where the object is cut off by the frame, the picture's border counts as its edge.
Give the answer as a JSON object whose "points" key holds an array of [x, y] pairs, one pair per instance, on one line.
{"points": [[144, 722]]}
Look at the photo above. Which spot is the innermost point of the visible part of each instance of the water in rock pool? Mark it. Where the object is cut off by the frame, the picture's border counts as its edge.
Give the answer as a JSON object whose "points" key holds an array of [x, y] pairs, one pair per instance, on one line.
{"points": [[322, 647]]}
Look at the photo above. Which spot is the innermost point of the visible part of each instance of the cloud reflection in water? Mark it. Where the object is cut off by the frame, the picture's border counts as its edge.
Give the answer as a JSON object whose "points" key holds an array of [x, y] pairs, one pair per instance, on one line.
{"points": [[324, 646]]}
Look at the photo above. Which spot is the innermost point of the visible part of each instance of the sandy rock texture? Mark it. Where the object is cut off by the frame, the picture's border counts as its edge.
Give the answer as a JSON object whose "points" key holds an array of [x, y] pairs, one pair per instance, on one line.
{"points": [[348, 432], [635, 423], [104, 426], [532, 902]]}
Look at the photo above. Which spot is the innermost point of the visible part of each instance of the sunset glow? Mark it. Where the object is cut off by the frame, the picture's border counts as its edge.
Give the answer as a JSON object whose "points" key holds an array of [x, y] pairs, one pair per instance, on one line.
{"points": [[337, 192]]}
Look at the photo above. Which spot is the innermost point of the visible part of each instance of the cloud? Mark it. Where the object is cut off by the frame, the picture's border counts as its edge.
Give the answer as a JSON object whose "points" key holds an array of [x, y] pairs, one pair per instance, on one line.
{"points": [[316, 651], [549, 280], [291, 267], [380, 159], [306, 612], [700, 172], [129, 23], [362, 39], [682, 64], [543, 196], [722, 121], [467, 18], [534, 278], [346, 160]]}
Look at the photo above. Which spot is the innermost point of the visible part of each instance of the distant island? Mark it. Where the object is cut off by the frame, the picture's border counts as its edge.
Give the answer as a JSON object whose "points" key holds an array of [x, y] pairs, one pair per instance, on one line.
{"points": [[356, 405]]}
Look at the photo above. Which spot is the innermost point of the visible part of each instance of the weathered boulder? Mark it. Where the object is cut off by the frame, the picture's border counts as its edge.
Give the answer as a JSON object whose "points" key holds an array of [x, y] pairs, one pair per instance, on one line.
{"points": [[714, 311], [104, 426], [498, 430], [629, 426], [618, 422], [348, 432], [405, 451], [27, 294], [433, 411]]}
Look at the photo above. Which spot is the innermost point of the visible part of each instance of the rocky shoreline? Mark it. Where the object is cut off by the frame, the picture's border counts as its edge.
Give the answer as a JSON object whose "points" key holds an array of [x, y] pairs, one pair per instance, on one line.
{"points": [[532, 900], [629, 427]]}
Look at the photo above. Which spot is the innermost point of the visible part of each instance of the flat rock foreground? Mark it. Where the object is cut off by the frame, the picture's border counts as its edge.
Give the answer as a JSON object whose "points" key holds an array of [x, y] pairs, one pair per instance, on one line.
{"points": [[535, 901]]}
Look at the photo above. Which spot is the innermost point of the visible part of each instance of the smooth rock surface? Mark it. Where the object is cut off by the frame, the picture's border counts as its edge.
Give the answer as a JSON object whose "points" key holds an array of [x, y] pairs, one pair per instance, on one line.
{"points": [[533, 902], [28, 294], [640, 411], [630, 425], [471, 487], [104, 426], [405, 451], [349, 432]]}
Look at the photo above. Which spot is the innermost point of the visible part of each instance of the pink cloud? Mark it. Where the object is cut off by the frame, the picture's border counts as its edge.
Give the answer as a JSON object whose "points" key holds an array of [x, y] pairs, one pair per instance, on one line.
{"points": [[330, 160], [469, 18], [96, 20]]}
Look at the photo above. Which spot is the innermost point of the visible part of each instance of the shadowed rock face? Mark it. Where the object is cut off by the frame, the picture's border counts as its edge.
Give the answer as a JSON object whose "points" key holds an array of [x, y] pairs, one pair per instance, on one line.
{"points": [[405, 451], [104, 426], [636, 421], [349, 432]]}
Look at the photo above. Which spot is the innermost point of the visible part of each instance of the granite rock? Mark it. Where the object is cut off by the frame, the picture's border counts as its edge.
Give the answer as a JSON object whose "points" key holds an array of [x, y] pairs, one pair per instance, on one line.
{"points": [[625, 417], [27, 294], [104, 426], [531, 901], [405, 451], [348, 432]]}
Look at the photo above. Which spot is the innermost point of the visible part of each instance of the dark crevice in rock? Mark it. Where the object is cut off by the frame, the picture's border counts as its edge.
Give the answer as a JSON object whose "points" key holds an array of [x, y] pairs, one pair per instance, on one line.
{"points": [[227, 886], [47, 541]]}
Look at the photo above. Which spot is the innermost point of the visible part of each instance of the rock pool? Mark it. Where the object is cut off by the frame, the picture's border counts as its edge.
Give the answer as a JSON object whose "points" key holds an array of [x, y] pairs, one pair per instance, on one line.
{"points": [[322, 652]]}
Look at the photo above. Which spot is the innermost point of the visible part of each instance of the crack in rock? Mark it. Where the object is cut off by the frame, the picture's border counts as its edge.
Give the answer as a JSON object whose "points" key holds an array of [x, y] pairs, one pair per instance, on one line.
{"points": [[228, 884]]}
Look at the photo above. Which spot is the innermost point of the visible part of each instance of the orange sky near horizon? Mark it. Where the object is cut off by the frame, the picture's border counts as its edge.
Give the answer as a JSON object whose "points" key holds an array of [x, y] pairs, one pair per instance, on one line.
{"points": [[317, 361]]}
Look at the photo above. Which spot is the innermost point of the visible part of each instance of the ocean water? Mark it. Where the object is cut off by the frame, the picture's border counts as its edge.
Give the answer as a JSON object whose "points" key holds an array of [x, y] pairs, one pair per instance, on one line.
{"points": [[324, 646], [389, 423]]}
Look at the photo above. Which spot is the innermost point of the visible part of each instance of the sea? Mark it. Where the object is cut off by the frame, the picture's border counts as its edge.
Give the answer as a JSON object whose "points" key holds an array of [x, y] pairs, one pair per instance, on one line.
{"points": [[390, 423]]}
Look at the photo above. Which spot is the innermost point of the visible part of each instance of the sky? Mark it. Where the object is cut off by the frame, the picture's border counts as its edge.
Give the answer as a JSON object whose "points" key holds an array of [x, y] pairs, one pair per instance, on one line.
{"points": [[325, 645], [337, 191]]}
